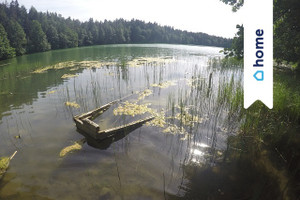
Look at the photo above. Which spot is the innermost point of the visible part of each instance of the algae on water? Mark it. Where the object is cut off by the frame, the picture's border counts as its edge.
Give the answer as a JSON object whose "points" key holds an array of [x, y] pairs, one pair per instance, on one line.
{"points": [[187, 119], [149, 61], [76, 146], [72, 104], [4, 163], [159, 119], [73, 65], [52, 92], [165, 84], [132, 109], [144, 94], [172, 128], [69, 75]]}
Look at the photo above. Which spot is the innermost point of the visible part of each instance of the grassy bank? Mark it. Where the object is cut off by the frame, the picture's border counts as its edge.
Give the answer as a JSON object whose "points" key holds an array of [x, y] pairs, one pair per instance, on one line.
{"points": [[269, 139]]}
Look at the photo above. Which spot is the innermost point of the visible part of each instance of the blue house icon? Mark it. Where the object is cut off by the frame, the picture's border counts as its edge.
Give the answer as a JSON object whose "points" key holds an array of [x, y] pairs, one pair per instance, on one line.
{"points": [[259, 75]]}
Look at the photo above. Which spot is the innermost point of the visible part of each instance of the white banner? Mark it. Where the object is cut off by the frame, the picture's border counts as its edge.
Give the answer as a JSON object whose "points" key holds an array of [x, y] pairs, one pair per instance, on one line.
{"points": [[258, 52]]}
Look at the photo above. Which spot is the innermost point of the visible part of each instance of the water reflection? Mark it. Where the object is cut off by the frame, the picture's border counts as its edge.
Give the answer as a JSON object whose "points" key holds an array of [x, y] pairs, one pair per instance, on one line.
{"points": [[147, 162]]}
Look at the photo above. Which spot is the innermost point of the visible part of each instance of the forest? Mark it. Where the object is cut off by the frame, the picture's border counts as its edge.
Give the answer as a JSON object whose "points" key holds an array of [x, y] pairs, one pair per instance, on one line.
{"points": [[24, 32]]}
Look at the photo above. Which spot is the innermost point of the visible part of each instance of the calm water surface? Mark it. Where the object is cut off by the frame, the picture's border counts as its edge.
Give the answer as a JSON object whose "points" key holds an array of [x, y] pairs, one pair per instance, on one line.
{"points": [[148, 163]]}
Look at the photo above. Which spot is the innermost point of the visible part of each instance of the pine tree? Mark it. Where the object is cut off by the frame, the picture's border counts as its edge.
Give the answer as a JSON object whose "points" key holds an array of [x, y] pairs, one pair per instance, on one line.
{"points": [[37, 38], [17, 37], [6, 51]]}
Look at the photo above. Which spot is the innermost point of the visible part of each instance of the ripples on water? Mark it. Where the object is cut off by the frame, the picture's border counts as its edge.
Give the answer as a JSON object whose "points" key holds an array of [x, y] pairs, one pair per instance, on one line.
{"points": [[148, 163]]}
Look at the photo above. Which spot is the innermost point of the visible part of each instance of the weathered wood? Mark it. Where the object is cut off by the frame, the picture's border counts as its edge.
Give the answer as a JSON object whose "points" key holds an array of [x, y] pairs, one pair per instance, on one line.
{"points": [[93, 129], [110, 132], [85, 124], [90, 125], [95, 112], [82, 126]]}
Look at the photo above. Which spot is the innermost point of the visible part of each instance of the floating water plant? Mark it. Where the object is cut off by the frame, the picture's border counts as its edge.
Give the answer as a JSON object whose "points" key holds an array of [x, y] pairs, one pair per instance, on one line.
{"points": [[149, 60], [132, 109], [144, 94], [42, 70], [63, 65], [164, 84], [188, 119], [159, 120], [172, 128], [4, 163], [69, 75], [51, 92], [74, 147], [72, 104], [72, 65]]}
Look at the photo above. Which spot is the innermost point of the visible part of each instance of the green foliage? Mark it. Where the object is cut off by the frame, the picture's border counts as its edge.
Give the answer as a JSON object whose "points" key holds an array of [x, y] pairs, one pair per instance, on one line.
{"points": [[236, 4], [276, 130], [67, 38], [287, 30], [237, 47], [37, 38], [44, 31], [53, 37], [17, 37], [6, 51]]}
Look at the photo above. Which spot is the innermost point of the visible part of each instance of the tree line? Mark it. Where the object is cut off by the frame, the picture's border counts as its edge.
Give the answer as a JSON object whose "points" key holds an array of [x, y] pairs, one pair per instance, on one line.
{"points": [[23, 31]]}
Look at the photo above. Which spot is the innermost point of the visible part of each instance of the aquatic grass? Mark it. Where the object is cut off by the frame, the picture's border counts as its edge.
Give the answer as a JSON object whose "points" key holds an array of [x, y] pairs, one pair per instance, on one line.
{"points": [[287, 95], [154, 61], [271, 134], [232, 62]]}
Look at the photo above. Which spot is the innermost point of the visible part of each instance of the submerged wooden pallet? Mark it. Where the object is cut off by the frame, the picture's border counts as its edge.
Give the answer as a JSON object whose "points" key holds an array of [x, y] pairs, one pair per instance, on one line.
{"points": [[85, 124]]}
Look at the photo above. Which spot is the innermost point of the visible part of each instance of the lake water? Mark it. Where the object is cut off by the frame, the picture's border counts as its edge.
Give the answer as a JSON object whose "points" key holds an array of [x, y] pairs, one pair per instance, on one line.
{"points": [[183, 84]]}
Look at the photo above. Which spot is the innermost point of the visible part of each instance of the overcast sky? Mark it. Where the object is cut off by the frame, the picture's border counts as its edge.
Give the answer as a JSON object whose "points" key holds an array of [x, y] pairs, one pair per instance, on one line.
{"points": [[208, 16]]}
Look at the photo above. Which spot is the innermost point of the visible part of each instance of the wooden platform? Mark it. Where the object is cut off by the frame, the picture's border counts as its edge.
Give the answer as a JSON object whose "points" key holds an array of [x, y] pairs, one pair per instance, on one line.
{"points": [[85, 124]]}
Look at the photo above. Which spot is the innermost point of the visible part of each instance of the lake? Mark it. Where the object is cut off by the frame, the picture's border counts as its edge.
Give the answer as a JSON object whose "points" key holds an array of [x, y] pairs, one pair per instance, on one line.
{"points": [[184, 86]]}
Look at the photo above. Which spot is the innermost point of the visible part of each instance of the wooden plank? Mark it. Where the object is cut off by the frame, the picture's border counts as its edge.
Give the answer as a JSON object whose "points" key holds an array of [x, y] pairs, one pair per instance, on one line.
{"points": [[91, 125], [84, 123], [109, 132], [95, 111]]}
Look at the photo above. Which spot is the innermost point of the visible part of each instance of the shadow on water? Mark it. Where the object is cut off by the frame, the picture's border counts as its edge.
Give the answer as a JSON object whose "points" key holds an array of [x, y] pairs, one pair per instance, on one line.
{"points": [[232, 181], [105, 144], [181, 159]]}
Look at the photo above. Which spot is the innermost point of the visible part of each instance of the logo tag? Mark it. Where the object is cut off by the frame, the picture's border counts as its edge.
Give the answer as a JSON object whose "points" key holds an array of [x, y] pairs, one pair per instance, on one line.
{"points": [[258, 52]]}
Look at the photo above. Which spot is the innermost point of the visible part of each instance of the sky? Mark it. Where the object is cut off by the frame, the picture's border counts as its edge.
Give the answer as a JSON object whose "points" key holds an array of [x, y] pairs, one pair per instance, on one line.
{"points": [[208, 16]]}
